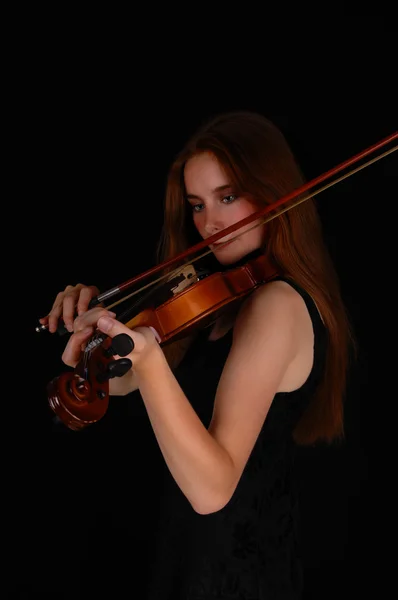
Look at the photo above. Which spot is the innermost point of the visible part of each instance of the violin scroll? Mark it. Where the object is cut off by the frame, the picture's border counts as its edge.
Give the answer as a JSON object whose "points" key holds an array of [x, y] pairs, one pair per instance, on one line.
{"points": [[81, 397]]}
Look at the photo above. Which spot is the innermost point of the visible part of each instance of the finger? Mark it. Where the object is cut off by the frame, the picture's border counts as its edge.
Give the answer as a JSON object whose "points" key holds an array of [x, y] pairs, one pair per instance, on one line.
{"points": [[155, 333], [69, 308], [73, 348], [112, 327], [140, 336], [90, 318], [59, 298], [86, 294], [53, 317]]}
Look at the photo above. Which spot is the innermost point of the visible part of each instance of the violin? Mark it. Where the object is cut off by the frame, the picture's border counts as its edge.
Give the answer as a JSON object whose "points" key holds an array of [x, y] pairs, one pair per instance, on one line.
{"points": [[81, 397], [189, 301]]}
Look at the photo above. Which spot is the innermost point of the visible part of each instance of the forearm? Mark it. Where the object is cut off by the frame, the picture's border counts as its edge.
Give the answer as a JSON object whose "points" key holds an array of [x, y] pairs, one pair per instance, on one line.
{"points": [[121, 386], [201, 467]]}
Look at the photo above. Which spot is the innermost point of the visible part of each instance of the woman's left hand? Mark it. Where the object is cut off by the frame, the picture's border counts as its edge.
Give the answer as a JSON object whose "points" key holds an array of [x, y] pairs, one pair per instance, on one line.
{"points": [[145, 339]]}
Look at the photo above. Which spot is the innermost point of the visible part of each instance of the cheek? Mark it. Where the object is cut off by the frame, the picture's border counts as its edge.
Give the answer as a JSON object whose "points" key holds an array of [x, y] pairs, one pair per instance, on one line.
{"points": [[253, 232], [244, 209], [197, 221], [261, 233]]}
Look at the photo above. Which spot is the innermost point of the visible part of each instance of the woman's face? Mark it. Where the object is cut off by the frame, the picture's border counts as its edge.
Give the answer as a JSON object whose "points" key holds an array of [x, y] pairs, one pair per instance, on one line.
{"points": [[216, 205]]}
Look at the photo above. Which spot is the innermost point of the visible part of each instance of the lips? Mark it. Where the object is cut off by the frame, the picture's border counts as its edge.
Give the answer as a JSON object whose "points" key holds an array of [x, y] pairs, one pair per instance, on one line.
{"points": [[222, 243]]}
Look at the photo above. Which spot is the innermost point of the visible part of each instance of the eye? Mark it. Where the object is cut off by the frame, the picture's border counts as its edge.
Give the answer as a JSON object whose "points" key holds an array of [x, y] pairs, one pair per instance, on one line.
{"points": [[230, 198], [196, 207]]}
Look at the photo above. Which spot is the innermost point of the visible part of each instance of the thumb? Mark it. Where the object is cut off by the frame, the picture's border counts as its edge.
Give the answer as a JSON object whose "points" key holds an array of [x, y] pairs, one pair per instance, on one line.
{"points": [[112, 327]]}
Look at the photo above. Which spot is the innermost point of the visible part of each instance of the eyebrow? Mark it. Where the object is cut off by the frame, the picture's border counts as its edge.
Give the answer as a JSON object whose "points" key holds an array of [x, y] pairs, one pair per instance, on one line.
{"points": [[220, 188]]}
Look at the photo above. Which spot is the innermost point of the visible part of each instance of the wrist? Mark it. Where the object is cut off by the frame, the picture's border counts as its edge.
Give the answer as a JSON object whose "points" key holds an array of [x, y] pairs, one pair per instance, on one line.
{"points": [[149, 364]]}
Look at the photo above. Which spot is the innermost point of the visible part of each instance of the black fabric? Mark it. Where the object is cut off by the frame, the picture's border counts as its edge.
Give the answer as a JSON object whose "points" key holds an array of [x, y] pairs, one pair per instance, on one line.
{"points": [[249, 550]]}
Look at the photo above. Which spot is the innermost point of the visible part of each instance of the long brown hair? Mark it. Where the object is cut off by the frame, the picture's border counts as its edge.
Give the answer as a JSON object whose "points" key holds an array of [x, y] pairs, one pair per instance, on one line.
{"points": [[259, 162]]}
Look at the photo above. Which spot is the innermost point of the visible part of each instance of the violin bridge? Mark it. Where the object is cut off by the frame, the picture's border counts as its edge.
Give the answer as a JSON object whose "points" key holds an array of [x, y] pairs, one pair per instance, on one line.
{"points": [[189, 277]]}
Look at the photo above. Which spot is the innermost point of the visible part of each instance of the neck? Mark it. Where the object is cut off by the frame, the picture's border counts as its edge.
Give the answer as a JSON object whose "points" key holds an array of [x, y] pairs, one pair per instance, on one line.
{"points": [[242, 261]]}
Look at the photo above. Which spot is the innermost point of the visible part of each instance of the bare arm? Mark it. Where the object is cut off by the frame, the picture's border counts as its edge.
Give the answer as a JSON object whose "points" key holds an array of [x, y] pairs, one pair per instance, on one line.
{"points": [[200, 466], [207, 464], [174, 352]]}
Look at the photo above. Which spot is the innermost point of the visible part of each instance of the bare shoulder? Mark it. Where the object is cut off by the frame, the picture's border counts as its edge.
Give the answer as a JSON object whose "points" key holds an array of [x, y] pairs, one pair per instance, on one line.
{"points": [[274, 307]]}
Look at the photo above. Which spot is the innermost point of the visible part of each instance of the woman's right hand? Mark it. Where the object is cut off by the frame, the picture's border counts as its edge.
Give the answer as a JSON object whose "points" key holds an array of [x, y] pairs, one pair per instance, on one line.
{"points": [[84, 327], [73, 301]]}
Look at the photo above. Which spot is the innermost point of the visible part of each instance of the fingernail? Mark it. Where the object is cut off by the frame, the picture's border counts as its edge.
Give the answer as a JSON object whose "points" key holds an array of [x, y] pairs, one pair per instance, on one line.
{"points": [[155, 333], [105, 323]]}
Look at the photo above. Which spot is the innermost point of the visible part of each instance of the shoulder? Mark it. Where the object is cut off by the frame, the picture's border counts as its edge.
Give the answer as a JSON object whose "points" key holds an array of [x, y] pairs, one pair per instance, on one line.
{"points": [[274, 308], [274, 290], [272, 330], [273, 339]]}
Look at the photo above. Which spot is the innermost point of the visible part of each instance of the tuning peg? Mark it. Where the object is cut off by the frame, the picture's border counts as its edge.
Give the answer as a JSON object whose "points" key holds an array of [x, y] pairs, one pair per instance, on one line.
{"points": [[121, 345], [115, 368]]}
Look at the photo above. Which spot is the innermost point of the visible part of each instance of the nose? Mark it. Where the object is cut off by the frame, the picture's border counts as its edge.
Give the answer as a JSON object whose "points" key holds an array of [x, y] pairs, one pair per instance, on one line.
{"points": [[212, 223]]}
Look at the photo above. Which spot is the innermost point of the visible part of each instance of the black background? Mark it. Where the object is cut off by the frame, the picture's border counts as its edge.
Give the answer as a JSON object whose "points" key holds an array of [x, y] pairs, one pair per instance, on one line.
{"points": [[93, 138]]}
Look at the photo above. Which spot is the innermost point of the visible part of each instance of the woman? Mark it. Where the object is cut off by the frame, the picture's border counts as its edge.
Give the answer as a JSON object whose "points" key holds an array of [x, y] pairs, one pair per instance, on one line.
{"points": [[229, 403]]}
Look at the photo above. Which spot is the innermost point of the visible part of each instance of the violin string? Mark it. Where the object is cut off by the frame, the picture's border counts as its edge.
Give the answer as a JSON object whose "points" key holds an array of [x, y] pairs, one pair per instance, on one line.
{"points": [[126, 312], [95, 340], [262, 221]]}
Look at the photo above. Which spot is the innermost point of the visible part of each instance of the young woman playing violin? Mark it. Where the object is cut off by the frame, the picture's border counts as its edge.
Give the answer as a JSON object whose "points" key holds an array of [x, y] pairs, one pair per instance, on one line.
{"points": [[229, 403]]}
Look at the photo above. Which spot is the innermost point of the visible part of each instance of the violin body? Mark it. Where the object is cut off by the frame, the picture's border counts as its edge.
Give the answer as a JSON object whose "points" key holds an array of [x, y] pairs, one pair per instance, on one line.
{"points": [[81, 397], [203, 302]]}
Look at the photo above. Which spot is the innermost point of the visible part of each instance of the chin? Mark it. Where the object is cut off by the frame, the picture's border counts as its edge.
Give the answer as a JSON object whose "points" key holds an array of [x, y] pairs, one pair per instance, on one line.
{"points": [[229, 255], [233, 253]]}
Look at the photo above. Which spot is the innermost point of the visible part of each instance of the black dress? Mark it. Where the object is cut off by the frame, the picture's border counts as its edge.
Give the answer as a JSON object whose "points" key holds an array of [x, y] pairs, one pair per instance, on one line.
{"points": [[249, 549]]}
